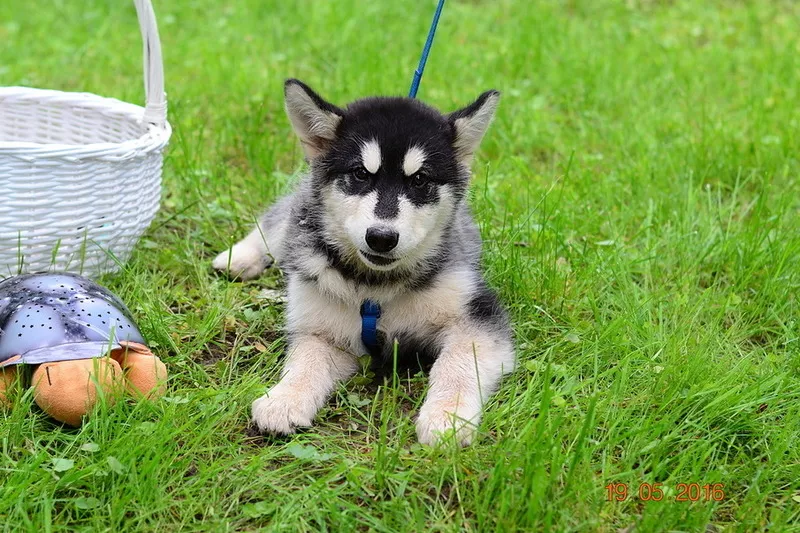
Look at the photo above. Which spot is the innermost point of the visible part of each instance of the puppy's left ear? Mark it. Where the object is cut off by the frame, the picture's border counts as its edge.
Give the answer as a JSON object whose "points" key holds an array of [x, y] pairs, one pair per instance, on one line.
{"points": [[471, 123]]}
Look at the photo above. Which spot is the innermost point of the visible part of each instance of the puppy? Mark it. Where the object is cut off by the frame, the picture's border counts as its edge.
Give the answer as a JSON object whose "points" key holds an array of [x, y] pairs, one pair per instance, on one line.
{"points": [[381, 256]]}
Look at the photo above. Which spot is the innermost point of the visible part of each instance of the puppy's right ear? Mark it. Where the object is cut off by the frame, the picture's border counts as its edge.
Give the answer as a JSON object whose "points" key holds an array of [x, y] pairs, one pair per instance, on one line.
{"points": [[471, 123], [313, 119]]}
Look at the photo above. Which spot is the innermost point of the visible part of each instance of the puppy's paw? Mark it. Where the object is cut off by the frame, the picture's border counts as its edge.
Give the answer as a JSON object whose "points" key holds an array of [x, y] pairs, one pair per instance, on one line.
{"points": [[438, 424], [280, 413], [242, 261]]}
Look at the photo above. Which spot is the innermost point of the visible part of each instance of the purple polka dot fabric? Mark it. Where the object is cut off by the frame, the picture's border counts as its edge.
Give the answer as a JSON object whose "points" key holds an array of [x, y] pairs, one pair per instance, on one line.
{"points": [[57, 317]]}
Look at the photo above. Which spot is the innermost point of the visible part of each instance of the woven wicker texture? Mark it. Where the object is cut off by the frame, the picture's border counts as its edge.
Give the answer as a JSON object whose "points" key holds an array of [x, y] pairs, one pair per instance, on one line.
{"points": [[80, 175]]}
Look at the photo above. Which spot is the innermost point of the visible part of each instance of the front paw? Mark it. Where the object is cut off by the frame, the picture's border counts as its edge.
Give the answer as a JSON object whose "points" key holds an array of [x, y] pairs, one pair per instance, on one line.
{"points": [[242, 261], [280, 413], [438, 423]]}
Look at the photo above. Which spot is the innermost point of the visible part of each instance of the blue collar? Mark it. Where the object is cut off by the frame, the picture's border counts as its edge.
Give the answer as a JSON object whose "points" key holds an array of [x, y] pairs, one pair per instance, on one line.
{"points": [[370, 313]]}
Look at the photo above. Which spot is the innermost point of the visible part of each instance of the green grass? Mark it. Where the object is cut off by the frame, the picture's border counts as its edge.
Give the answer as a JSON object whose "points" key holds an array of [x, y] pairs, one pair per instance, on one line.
{"points": [[638, 196]]}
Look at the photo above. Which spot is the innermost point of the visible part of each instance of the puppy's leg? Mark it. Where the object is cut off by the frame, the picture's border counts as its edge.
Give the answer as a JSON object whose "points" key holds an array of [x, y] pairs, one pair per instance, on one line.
{"points": [[467, 371], [312, 370], [248, 258]]}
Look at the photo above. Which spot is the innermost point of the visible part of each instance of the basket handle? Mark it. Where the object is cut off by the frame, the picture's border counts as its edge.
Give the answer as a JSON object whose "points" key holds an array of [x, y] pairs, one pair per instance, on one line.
{"points": [[155, 110]]}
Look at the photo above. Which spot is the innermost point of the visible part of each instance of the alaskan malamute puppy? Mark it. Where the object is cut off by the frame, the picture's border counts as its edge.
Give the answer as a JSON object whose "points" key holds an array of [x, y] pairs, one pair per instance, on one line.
{"points": [[381, 254]]}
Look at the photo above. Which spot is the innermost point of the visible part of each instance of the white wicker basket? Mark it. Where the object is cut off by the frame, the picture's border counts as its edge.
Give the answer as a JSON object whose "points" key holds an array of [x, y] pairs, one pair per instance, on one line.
{"points": [[80, 175]]}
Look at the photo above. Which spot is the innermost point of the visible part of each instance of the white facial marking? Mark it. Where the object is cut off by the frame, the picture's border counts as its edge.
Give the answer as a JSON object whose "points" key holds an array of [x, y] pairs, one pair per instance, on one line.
{"points": [[354, 215], [371, 156], [413, 160], [416, 223], [420, 228]]}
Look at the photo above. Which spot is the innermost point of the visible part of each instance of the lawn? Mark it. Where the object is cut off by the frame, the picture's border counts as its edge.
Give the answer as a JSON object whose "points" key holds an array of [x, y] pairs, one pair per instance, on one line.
{"points": [[638, 198]]}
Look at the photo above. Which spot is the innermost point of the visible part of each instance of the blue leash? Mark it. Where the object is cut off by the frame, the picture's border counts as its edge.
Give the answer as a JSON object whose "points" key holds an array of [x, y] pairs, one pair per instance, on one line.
{"points": [[370, 309], [425, 51]]}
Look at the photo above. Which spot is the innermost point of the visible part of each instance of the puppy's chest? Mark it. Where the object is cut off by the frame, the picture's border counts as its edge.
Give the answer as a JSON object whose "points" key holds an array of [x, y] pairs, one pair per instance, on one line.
{"points": [[410, 332], [417, 314], [421, 312], [403, 315]]}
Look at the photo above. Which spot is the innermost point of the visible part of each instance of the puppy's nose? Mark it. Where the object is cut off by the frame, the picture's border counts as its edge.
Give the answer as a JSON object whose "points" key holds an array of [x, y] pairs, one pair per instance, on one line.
{"points": [[382, 239]]}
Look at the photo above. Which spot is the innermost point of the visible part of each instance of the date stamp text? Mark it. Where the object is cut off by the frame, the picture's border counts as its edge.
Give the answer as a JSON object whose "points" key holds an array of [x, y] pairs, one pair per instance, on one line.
{"points": [[684, 492]]}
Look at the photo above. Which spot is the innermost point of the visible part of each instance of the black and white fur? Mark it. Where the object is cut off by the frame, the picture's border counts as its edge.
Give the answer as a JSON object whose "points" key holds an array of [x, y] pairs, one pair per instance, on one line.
{"points": [[381, 215]]}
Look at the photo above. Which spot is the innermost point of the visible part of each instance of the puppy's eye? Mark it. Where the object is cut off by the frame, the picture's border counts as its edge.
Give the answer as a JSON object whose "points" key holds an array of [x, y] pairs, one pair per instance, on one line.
{"points": [[419, 180], [361, 174]]}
